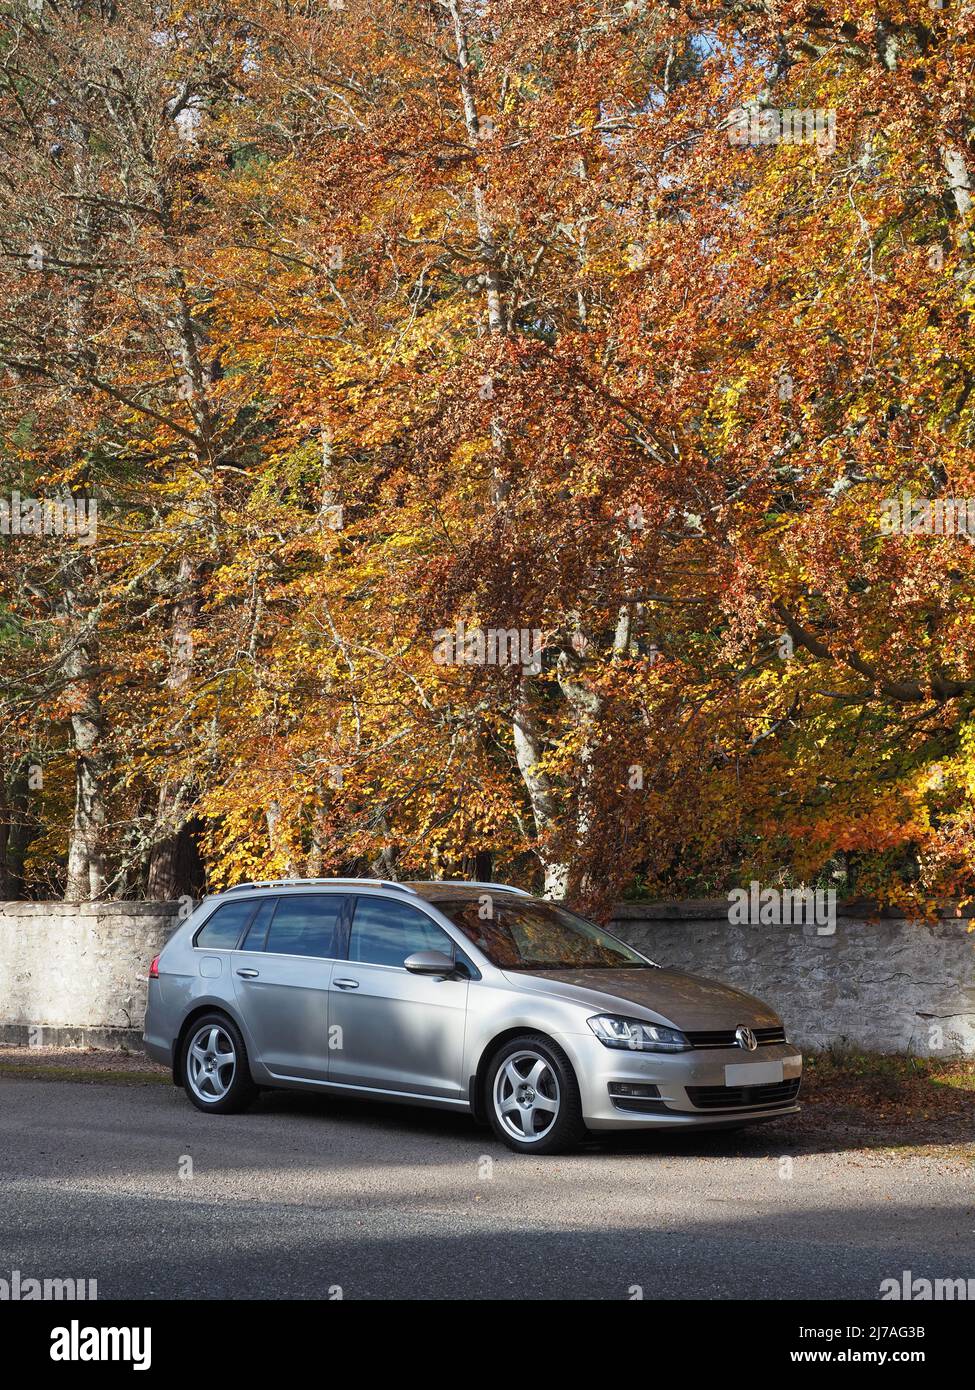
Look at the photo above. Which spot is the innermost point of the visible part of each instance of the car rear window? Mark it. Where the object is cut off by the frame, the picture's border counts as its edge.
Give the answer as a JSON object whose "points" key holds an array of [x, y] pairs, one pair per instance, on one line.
{"points": [[306, 926], [257, 931], [222, 931]]}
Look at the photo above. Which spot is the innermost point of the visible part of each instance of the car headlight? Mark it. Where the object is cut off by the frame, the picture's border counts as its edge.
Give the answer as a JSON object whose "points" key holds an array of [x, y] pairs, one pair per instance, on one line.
{"points": [[635, 1035]]}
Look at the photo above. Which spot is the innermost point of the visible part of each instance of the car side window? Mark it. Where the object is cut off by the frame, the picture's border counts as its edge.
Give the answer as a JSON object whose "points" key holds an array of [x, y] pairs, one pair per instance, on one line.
{"points": [[257, 931], [222, 930], [306, 926], [386, 932]]}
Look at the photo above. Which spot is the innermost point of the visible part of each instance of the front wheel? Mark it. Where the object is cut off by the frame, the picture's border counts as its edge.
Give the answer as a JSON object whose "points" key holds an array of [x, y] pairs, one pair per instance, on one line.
{"points": [[532, 1097], [215, 1072]]}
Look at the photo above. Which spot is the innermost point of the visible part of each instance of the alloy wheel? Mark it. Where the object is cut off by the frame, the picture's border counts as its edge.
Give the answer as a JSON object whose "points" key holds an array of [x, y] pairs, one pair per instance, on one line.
{"points": [[526, 1096], [211, 1063]]}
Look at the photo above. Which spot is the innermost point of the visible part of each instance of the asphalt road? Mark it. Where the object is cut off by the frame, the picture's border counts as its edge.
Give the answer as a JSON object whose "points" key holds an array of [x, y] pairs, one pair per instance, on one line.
{"points": [[303, 1196]]}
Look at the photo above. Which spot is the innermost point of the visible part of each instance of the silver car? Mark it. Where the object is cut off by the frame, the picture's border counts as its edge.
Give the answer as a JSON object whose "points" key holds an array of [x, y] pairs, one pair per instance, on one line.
{"points": [[471, 996]]}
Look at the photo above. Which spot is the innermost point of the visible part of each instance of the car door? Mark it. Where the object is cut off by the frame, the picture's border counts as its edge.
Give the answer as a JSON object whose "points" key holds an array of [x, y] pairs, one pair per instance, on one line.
{"points": [[389, 1029], [282, 974]]}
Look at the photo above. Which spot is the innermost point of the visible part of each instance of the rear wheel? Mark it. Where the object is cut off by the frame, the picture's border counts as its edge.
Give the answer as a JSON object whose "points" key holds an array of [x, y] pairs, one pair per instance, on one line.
{"points": [[216, 1076], [532, 1097]]}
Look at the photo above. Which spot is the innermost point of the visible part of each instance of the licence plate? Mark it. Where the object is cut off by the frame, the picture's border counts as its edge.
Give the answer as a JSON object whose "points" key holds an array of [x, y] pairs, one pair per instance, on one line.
{"points": [[753, 1074]]}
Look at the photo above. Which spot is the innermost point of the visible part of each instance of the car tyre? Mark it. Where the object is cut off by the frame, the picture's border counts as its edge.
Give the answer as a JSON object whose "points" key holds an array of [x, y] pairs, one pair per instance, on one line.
{"points": [[216, 1074], [532, 1097]]}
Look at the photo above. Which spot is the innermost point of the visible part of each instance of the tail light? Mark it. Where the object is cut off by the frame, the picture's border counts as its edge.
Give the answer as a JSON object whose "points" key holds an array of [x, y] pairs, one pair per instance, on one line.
{"points": [[154, 969]]}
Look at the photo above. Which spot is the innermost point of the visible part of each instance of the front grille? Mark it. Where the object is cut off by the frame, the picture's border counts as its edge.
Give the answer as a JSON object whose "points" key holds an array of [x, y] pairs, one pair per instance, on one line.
{"points": [[741, 1097], [726, 1037]]}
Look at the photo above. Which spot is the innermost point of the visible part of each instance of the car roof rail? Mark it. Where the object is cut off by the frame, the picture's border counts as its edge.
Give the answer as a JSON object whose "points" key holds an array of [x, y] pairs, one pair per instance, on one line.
{"points": [[375, 883], [300, 882], [483, 883]]}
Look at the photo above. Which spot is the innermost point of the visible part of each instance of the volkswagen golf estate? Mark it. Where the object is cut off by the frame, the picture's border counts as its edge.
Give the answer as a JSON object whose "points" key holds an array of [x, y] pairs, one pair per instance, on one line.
{"points": [[472, 996]]}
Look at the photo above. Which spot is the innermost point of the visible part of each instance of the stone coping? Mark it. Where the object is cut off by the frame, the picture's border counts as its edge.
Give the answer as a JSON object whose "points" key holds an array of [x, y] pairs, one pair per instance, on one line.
{"points": [[687, 909]]}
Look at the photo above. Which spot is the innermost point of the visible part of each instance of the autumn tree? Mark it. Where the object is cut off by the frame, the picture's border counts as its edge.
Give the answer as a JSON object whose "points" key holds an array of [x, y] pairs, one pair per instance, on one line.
{"points": [[616, 326]]}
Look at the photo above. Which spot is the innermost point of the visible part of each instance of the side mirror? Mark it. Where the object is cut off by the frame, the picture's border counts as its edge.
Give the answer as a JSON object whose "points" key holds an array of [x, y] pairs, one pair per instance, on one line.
{"points": [[429, 963]]}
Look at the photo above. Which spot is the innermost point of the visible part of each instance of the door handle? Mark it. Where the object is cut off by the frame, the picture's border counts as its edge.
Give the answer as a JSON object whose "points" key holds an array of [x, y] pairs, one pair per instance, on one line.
{"points": [[347, 984], [249, 974]]}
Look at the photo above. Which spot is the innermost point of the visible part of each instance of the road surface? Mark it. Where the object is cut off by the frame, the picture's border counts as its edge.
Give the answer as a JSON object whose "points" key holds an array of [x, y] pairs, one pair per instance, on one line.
{"points": [[305, 1197]]}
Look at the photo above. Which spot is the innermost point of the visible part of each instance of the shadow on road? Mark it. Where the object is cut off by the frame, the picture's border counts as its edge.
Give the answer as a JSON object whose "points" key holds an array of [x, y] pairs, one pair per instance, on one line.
{"points": [[820, 1128]]}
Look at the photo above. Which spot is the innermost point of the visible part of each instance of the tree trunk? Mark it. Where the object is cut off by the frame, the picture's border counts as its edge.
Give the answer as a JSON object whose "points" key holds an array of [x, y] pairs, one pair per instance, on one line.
{"points": [[485, 236], [87, 879], [17, 830], [86, 875], [176, 869], [273, 818], [479, 866], [172, 866], [960, 187], [527, 745], [541, 794]]}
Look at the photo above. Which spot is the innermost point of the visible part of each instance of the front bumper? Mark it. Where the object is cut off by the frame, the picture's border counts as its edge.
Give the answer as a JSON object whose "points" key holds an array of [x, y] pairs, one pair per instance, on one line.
{"points": [[677, 1076]]}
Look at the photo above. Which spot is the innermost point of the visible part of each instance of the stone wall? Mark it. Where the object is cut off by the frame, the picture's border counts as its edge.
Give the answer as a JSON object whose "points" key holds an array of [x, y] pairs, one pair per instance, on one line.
{"points": [[76, 972]]}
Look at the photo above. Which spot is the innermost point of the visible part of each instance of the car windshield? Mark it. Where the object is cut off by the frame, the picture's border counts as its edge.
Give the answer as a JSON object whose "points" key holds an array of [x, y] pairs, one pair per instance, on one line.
{"points": [[526, 935]]}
